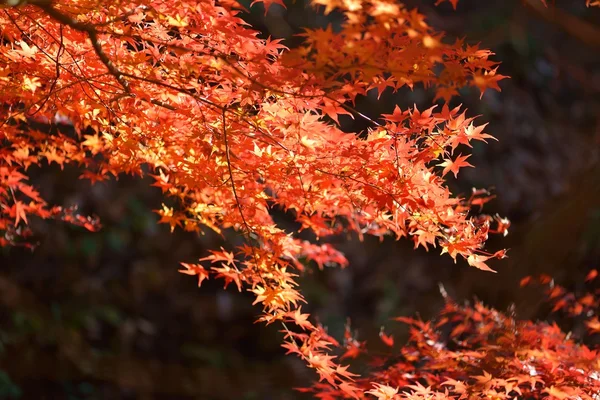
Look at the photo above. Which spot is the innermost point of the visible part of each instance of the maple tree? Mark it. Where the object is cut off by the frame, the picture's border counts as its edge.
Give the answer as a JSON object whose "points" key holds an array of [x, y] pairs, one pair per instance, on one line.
{"points": [[232, 126]]}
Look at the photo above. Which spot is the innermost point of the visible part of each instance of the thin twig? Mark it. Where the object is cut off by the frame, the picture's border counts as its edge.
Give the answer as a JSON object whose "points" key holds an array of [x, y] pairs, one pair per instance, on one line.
{"points": [[230, 169]]}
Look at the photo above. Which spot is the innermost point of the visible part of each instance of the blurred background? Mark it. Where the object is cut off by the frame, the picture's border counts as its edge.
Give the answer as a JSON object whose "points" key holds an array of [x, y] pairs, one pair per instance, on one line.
{"points": [[106, 315]]}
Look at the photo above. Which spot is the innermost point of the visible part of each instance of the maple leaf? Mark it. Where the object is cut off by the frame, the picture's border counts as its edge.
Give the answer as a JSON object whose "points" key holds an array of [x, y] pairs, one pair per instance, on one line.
{"points": [[455, 165], [324, 366], [558, 392], [268, 4], [488, 80], [453, 2], [300, 319], [525, 281], [350, 390], [220, 256], [478, 261], [94, 143], [459, 386], [593, 274], [30, 192], [27, 51], [387, 339], [396, 116], [420, 389], [352, 351], [383, 392], [52, 156], [593, 325], [31, 84], [20, 213], [333, 110], [229, 275], [476, 133], [195, 269]]}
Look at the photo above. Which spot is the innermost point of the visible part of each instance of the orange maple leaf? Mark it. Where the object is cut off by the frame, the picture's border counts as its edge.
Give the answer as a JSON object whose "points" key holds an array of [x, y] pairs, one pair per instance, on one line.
{"points": [[455, 165], [195, 269], [488, 80], [388, 340]]}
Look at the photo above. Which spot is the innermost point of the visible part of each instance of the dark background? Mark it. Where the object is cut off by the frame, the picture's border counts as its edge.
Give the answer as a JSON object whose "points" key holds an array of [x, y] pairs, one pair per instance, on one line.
{"points": [[106, 315]]}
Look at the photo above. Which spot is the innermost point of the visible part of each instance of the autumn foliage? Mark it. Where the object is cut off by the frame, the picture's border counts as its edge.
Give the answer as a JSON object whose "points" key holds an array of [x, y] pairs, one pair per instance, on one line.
{"points": [[474, 352], [232, 126]]}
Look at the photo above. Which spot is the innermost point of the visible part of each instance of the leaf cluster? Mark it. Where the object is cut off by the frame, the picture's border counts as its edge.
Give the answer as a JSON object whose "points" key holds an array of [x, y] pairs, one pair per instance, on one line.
{"points": [[475, 352]]}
